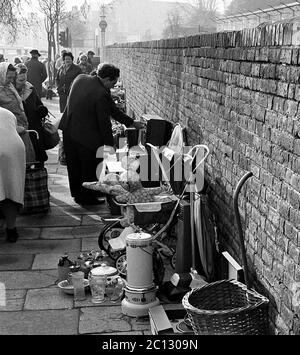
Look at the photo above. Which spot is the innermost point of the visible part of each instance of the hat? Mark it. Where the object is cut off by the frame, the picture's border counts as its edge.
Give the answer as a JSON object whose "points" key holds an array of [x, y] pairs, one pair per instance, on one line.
{"points": [[90, 52], [35, 51]]}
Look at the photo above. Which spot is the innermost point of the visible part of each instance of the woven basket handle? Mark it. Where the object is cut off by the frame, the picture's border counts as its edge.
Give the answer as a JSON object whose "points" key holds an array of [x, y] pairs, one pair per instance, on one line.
{"points": [[239, 225]]}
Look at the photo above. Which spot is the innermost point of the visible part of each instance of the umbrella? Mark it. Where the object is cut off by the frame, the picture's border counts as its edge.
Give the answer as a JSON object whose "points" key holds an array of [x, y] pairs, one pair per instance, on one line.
{"points": [[205, 233]]}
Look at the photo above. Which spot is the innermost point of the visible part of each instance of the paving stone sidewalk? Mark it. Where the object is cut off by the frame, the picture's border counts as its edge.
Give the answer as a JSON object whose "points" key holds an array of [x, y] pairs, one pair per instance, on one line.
{"points": [[33, 303]]}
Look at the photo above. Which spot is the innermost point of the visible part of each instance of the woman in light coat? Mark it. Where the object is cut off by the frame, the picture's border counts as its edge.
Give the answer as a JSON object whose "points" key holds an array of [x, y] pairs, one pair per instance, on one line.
{"points": [[12, 172], [10, 99]]}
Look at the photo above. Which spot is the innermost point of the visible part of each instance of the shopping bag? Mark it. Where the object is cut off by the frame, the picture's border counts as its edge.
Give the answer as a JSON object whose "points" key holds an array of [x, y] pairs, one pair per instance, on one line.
{"points": [[176, 142], [50, 135], [36, 194], [174, 153]]}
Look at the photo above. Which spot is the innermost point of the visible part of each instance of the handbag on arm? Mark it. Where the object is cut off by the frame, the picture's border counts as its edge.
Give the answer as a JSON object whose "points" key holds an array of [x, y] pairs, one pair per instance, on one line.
{"points": [[50, 134]]}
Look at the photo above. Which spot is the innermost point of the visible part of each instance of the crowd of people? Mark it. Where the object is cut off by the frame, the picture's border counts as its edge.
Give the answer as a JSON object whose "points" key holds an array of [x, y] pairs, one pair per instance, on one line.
{"points": [[87, 107]]}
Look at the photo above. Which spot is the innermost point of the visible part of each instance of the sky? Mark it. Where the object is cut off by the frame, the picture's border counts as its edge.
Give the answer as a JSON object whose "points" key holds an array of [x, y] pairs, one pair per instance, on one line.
{"points": [[71, 3]]}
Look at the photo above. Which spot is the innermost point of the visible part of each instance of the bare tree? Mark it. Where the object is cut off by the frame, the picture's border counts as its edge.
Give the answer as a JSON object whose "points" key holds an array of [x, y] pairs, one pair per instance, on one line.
{"points": [[201, 13], [243, 6], [76, 22], [11, 19], [173, 27], [54, 11]]}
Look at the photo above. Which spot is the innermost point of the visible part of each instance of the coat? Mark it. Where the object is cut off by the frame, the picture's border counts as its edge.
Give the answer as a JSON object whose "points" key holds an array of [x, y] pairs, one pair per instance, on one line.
{"points": [[35, 112], [36, 74], [87, 116], [12, 159], [64, 80], [85, 68], [10, 100]]}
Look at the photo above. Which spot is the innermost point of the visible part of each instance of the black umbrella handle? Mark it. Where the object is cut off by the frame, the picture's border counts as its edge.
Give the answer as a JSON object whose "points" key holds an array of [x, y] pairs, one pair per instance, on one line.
{"points": [[239, 225]]}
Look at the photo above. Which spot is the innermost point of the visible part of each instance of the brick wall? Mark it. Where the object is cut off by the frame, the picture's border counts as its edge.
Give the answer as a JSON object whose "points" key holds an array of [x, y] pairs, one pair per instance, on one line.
{"points": [[238, 93]]}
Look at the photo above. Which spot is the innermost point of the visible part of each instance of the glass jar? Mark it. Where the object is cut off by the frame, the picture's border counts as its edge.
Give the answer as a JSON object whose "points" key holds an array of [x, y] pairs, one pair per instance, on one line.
{"points": [[116, 289], [99, 277], [78, 285], [97, 286]]}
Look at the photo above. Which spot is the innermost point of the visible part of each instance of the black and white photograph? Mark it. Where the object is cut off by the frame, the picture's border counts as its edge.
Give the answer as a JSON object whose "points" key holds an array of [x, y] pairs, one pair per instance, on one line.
{"points": [[149, 172]]}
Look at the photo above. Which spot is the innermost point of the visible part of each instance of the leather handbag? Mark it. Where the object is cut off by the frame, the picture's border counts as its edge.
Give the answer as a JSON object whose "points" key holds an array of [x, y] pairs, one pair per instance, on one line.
{"points": [[50, 135]]}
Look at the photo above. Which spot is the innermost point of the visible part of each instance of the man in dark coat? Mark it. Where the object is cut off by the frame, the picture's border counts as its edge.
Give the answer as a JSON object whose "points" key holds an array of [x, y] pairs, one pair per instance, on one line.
{"points": [[37, 72], [86, 125]]}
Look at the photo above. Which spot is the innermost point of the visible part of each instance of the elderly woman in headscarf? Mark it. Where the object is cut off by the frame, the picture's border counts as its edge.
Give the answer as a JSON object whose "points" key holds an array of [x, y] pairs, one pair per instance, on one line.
{"points": [[12, 172], [34, 109], [11, 100]]}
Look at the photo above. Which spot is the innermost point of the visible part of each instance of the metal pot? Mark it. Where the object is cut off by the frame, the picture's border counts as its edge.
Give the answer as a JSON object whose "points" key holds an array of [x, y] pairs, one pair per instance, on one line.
{"points": [[104, 270]]}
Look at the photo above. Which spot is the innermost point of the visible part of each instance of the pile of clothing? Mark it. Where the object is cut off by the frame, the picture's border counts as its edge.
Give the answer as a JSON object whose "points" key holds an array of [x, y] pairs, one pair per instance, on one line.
{"points": [[126, 187]]}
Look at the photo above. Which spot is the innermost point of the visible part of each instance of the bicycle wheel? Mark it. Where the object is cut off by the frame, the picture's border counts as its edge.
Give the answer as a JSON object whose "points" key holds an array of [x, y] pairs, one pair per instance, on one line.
{"points": [[110, 231], [121, 264]]}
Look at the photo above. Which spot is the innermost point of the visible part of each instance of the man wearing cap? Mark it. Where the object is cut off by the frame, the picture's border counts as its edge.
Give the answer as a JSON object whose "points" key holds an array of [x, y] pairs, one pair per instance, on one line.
{"points": [[37, 72]]}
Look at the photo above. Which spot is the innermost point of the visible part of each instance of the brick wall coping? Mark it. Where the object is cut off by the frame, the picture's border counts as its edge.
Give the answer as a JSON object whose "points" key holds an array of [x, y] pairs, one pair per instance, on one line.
{"points": [[279, 33]]}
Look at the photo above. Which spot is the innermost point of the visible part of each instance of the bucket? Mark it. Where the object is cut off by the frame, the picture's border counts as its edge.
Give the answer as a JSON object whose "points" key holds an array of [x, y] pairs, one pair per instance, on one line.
{"points": [[139, 252]]}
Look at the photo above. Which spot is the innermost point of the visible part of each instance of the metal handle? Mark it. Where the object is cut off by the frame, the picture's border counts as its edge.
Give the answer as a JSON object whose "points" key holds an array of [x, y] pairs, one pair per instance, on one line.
{"points": [[239, 224], [185, 186], [33, 131], [109, 219], [118, 203]]}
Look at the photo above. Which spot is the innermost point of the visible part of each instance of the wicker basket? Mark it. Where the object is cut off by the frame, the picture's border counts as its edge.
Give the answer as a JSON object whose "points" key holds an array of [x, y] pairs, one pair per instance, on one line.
{"points": [[226, 307]]}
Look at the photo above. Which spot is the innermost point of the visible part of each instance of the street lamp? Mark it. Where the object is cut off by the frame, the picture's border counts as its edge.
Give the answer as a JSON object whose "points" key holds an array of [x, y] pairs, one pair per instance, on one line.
{"points": [[102, 25]]}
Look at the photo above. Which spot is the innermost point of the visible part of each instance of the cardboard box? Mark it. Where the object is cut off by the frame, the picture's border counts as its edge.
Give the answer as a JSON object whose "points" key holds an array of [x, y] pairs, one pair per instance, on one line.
{"points": [[165, 321], [159, 321]]}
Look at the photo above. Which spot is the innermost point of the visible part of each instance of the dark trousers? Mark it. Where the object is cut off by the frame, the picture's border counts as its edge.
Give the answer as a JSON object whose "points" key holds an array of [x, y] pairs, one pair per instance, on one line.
{"points": [[63, 98], [81, 165]]}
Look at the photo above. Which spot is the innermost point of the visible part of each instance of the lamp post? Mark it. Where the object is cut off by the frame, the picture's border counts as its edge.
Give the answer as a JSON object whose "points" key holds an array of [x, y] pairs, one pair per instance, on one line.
{"points": [[97, 42], [102, 25]]}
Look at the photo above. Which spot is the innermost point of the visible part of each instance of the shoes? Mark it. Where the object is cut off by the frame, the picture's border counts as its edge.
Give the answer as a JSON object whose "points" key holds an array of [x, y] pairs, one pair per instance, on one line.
{"points": [[12, 235], [91, 201]]}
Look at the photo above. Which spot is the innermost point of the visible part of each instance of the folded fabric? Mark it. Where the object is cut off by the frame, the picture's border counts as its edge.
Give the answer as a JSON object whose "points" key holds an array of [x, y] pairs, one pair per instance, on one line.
{"points": [[140, 195], [97, 186], [117, 190]]}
